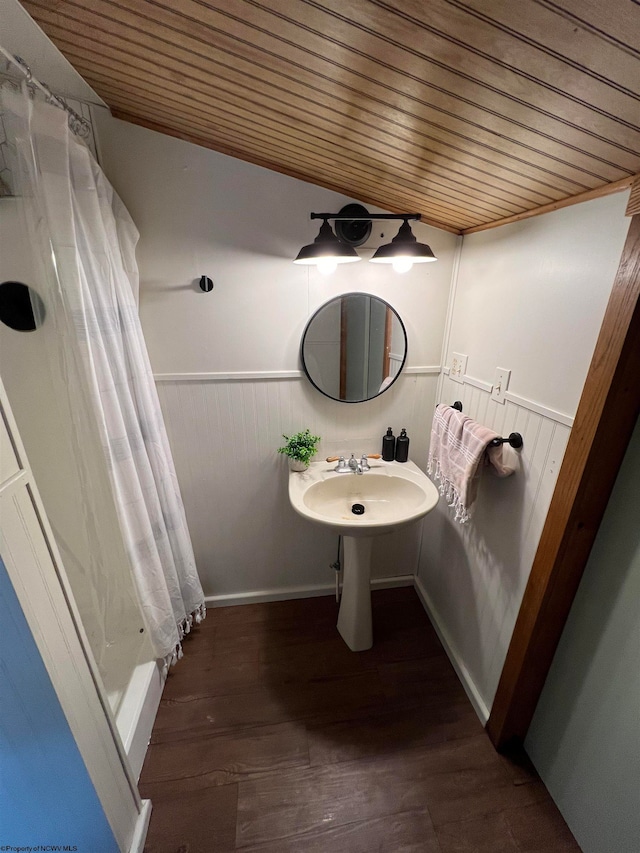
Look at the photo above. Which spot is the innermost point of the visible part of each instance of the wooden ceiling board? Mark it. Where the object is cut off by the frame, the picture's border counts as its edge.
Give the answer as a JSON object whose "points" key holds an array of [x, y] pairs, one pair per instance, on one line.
{"points": [[335, 115], [433, 88], [266, 135], [256, 142], [439, 177], [322, 129], [614, 20], [408, 39], [167, 45], [468, 111], [316, 61], [514, 170], [558, 36]]}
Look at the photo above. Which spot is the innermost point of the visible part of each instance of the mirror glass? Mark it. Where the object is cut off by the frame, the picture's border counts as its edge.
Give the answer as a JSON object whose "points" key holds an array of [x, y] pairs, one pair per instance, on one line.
{"points": [[354, 347]]}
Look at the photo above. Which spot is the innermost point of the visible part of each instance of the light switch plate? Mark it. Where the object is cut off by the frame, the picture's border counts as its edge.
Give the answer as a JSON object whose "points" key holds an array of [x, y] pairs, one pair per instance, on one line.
{"points": [[500, 384], [458, 366]]}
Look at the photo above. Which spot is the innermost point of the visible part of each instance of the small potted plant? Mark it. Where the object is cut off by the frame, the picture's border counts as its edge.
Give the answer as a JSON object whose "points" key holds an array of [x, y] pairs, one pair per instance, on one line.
{"points": [[300, 448]]}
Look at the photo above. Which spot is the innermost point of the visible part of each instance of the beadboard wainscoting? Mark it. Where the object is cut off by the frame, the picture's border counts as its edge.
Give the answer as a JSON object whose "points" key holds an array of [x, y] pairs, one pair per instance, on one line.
{"points": [[224, 430], [472, 577]]}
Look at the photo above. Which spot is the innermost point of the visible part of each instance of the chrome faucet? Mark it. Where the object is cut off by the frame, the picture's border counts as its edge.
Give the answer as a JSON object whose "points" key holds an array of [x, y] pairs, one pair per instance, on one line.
{"points": [[355, 465], [359, 467]]}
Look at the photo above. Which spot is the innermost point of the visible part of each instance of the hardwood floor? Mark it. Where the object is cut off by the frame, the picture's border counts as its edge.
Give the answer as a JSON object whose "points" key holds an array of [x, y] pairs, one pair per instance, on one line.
{"points": [[272, 736]]}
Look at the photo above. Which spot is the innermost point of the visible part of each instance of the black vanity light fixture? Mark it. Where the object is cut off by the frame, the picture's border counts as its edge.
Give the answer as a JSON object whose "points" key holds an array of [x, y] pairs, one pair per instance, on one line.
{"points": [[353, 224], [403, 251], [326, 251]]}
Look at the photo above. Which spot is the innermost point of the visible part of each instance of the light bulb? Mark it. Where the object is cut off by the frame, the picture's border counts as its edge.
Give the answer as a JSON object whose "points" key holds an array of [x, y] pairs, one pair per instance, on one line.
{"points": [[327, 265], [402, 264]]}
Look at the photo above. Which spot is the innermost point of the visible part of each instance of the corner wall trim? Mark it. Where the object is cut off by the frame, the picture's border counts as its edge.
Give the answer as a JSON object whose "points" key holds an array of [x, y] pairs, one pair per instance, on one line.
{"points": [[468, 683], [288, 593]]}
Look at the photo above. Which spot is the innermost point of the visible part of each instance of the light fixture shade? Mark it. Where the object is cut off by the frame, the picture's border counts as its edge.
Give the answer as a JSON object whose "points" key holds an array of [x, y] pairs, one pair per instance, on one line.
{"points": [[325, 247], [404, 245]]}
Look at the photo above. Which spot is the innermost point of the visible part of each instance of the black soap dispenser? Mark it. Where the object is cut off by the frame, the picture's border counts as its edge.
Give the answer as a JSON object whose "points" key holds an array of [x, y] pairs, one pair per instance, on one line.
{"points": [[402, 447], [388, 446]]}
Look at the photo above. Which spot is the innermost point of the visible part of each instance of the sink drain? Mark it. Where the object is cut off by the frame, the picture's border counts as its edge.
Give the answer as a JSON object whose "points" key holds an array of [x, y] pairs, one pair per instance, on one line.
{"points": [[357, 509]]}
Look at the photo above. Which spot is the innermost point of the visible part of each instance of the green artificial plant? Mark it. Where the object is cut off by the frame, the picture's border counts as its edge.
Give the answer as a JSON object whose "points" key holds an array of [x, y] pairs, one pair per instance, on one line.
{"points": [[302, 446]]}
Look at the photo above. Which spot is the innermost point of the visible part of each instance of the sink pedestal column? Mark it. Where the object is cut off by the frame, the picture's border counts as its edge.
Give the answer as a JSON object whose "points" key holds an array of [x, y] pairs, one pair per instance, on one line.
{"points": [[354, 618]]}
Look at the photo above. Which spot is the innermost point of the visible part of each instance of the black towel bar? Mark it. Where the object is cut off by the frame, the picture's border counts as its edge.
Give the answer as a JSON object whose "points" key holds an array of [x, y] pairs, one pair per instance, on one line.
{"points": [[515, 439]]}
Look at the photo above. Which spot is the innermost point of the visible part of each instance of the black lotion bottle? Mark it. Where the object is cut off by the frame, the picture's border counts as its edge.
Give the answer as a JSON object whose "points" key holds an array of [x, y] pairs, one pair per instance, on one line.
{"points": [[388, 446], [402, 447]]}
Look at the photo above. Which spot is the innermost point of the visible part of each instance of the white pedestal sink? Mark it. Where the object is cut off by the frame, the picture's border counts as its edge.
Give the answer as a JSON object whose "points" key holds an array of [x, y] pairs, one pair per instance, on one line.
{"points": [[354, 617], [386, 497]]}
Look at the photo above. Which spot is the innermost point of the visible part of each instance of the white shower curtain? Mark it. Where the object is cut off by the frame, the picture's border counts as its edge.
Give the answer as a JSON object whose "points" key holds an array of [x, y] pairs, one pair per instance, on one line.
{"points": [[87, 239]]}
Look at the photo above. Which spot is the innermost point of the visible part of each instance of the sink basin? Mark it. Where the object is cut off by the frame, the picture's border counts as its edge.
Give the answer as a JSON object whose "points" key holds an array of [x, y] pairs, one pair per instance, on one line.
{"points": [[360, 507], [389, 495]]}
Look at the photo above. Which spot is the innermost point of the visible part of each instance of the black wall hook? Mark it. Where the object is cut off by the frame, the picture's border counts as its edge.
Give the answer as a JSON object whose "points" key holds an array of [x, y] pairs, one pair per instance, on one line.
{"points": [[206, 284]]}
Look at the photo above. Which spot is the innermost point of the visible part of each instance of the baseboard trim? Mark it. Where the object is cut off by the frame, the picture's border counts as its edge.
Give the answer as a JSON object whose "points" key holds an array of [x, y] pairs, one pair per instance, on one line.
{"points": [[141, 828], [259, 596], [463, 673]]}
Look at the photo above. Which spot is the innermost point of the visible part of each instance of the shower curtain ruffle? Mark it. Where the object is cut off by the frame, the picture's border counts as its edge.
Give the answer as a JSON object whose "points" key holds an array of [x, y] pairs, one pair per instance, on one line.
{"points": [[86, 240]]}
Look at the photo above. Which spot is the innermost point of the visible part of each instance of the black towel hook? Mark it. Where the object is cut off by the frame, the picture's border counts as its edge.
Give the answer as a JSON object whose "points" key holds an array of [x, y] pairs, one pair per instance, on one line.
{"points": [[515, 439]]}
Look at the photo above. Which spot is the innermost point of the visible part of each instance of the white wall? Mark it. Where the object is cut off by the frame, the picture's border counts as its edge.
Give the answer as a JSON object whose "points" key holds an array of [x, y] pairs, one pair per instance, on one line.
{"points": [[529, 297], [585, 739], [203, 213]]}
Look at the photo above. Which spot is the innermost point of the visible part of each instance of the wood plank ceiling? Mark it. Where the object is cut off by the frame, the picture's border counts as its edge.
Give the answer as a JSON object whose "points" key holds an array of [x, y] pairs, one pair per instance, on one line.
{"points": [[467, 111]]}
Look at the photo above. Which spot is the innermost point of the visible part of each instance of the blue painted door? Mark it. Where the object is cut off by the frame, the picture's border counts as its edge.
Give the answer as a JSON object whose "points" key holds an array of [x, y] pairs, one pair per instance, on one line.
{"points": [[47, 799]]}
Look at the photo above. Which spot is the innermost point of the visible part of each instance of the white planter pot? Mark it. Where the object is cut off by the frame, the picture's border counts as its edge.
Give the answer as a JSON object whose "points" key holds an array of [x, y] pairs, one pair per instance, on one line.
{"points": [[296, 465]]}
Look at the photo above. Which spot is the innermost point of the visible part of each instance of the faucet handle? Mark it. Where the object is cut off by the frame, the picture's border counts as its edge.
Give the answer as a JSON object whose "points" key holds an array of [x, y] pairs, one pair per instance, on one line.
{"points": [[364, 462], [341, 466]]}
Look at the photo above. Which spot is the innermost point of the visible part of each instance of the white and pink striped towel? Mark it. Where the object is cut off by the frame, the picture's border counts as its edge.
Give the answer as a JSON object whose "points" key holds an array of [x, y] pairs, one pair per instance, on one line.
{"points": [[456, 456]]}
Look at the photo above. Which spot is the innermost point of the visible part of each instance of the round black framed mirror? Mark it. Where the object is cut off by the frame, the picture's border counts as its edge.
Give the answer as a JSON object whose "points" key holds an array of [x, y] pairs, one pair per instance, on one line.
{"points": [[21, 307], [354, 347]]}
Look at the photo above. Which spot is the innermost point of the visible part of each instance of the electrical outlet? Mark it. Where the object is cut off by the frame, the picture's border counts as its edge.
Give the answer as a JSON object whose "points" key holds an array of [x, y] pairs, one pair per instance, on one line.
{"points": [[458, 366], [500, 384]]}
